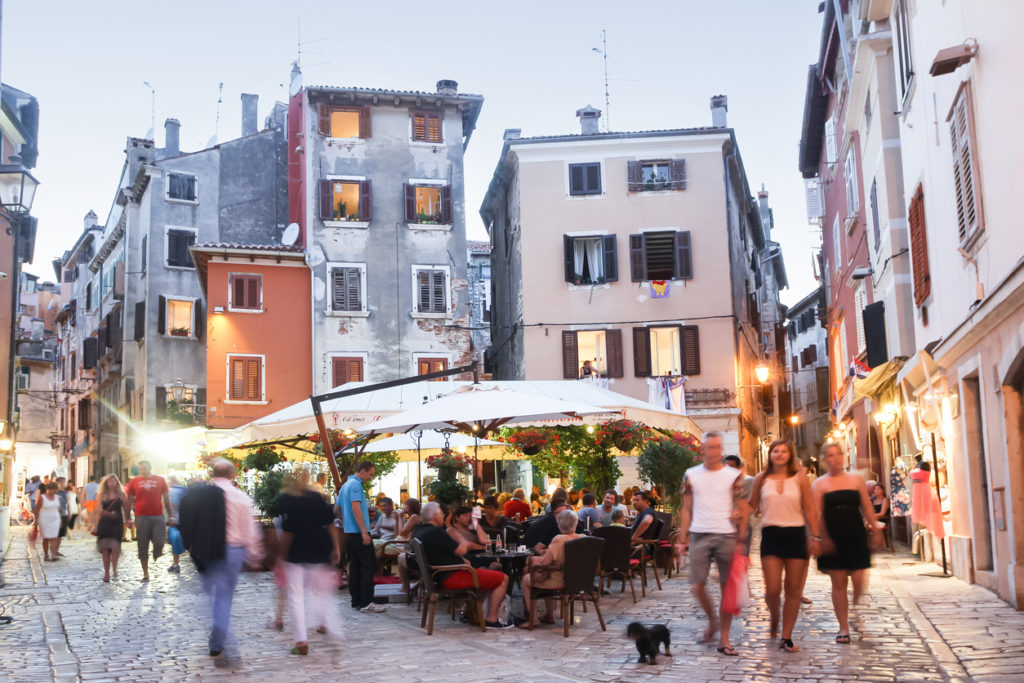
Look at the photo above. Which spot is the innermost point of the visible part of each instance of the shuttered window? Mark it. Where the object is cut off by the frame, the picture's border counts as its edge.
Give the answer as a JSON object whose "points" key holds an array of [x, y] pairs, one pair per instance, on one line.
{"points": [[668, 174], [347, 288], [426, 126], [344, 122], [425, 366], [431, 290], [666, 351], [919, 248], [852, 188], [428, 204], [182, 187], [821, 380], [602, 348], [590, 260], [346, 200], [178, 242], [966, 187], [659, 255], [245, 291], [585, 179], [346, 369], [245, 378]]}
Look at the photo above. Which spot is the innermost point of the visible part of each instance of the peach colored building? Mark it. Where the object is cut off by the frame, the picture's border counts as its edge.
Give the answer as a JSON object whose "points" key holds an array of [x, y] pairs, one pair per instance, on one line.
{"points": [[641, 257], [259, 330]]}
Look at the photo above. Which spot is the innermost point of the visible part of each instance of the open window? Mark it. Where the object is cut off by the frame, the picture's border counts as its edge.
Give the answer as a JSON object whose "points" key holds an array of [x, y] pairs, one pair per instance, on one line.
{"points": [[601, 349], [344, 122], [428, 204], [670, 350], [180, 317], [425, 366], [590, 259], [346, 200], [661, 255]]}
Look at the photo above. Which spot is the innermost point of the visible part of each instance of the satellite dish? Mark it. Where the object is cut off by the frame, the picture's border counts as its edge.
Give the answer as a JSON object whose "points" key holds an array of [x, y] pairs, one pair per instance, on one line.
{"points": [[291, 233]]}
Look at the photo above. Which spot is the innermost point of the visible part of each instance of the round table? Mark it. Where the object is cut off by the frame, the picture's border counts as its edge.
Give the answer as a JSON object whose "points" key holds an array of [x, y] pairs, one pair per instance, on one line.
{"points": [[512, 563]]}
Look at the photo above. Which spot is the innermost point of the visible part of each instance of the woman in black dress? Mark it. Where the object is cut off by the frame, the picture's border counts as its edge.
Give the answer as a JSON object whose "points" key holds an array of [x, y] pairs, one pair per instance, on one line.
{"points": [[841, 499], [112, 508]]}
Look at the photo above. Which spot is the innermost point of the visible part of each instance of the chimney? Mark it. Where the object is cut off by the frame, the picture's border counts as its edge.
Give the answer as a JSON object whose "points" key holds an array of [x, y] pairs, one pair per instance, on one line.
{"points": [[512, 134], [447, 87], [588, 117], [249, 102], [172, 128], [90, 219], [719, 106]]}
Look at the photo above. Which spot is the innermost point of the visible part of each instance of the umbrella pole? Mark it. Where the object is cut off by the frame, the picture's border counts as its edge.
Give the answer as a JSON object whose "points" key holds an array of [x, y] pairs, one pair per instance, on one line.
{"points": [[325, 441], [476, 463], [419, 468]]}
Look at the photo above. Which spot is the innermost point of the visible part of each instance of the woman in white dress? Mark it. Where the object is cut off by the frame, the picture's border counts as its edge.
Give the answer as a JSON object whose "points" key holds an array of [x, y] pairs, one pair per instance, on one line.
{"points": [[72, 509], [48, 521]]}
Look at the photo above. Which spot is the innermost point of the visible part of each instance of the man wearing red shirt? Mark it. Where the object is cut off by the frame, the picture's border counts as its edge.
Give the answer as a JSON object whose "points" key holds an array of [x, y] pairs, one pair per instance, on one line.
{"points": [[147, 497], [517, 509]]}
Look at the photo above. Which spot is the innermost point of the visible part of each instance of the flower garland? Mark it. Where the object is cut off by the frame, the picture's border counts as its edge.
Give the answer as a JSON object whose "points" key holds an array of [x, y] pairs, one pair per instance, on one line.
{"points": [[623, 434]]}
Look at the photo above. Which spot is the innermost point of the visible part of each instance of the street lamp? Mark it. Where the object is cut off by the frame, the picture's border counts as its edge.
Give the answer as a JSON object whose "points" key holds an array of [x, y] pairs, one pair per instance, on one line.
{"points": [[178, 391], [761, 372], [794, 419], [17, 189]]}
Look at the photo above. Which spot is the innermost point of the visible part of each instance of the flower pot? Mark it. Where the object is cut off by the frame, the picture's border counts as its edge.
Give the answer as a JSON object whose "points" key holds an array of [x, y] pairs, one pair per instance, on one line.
{"points": [[531, 450], [446, 473], [624, 443]]}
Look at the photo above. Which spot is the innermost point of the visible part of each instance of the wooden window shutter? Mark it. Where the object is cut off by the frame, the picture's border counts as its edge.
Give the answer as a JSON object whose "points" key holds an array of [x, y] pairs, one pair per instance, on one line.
{"points": [[965, 176], [637, 262], [326, 200], [253, 287], [410, 203], [613, 349], [140, 320], [364, 123], [419, 125], [919, 248], [570, 355], [593, 178], [90, 352], [875, 345], [253, 379], [237, 372], [634, 176], [577, 179], [821, 378], [161, 315], [236, 292], [423, 291], [434, 133], [677, 172], [684, 256], [446, 204], [803, 358], [641, 352], [160, 400], [365, 201], [570, 263], [353, 289], [344, 370], [689, 348], [324, 113], [437, 292], [198, 319], [812, 354], [611, 259], [794, 363]]}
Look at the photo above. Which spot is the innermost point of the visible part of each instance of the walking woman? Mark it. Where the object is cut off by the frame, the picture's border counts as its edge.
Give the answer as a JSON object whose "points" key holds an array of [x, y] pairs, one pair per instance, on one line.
{"points": [[842, 503], [112, 507], [783, 496], [48, 521], [72, 509]]}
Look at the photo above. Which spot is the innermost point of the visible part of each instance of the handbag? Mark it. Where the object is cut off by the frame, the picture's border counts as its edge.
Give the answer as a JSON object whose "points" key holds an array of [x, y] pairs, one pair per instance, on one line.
{"points": [[732, 597]]}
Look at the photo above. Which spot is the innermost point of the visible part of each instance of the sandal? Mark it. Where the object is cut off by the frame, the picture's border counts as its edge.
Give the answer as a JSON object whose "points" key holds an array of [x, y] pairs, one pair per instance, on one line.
{"points": [[843, 638], [302, 649], [805, 600], [787, 645], [709, 633], [321, 629], [728, 651]]}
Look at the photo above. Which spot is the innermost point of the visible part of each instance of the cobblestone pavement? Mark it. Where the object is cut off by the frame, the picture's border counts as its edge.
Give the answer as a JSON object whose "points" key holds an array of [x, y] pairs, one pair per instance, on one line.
{"points": [[69, 626]]}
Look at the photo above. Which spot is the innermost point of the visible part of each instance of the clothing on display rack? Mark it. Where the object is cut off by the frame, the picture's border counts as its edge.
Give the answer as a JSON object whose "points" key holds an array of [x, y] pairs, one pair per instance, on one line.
{"points": [[899, 494], [926, 509]]}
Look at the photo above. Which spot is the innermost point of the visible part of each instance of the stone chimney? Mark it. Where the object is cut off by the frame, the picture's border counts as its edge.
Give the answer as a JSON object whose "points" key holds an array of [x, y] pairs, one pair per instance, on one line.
{"points": [[588, 117], [172, 130], [90, 219], [249, 106], [512, 134], [447, 87], [719, 107]]}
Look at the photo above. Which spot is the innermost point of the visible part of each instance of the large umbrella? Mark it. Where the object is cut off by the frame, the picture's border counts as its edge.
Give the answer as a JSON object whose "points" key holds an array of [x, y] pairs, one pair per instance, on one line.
{"points": [[432, 441]]}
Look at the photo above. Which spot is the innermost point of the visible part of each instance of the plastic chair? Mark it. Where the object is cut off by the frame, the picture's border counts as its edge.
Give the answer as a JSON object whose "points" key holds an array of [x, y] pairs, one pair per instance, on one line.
{"points": [[582, 557], [432, 592], [615, 557]]}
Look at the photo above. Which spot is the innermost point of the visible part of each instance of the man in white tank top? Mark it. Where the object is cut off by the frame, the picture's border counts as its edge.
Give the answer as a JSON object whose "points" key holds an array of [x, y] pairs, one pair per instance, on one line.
{"points": [[710, 493]]}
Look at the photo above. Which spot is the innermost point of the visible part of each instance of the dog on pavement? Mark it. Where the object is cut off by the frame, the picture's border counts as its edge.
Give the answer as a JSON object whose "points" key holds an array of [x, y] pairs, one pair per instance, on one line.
{"points": [[648, 639]]}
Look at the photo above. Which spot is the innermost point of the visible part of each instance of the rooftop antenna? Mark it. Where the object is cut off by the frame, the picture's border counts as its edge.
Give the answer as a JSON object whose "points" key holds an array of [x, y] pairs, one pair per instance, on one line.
{"points": [[152, 129], [300, 43], [603, 51], [220, 98]]}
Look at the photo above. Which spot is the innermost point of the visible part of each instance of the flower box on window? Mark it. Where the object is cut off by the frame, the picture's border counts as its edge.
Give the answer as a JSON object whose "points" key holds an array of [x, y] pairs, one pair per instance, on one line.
{"points": [[180, 332]]}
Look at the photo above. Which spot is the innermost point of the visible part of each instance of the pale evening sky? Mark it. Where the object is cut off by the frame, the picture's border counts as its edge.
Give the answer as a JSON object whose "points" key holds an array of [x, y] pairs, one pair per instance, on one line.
{"points": [[532, 61]]}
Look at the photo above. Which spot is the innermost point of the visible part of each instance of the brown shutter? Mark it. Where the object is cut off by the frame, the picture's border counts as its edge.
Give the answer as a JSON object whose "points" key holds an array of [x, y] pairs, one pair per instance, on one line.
{"points": [[637, 264], [198, 319], [677, 170], [237, 387], [236, 291], [803, 358], [577, 179], [641, 352], [634, 176], [364, 123], [326, 200], [419, 125], [919, 248], [90, 352], [410, 203], [611, 258], [794, 363], [160, 397], [812, 354], [253, 379], [423, 291], [434, 128], [613, 347], [570, 356], [365, 201], [821, 377], [253, 287], [437, 292], [161, 315], [325, 119], [446, 204], [684, 258], [570, 264], [689, 347]]}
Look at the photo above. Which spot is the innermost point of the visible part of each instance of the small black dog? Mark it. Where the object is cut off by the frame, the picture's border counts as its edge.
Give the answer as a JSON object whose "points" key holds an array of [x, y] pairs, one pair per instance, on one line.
{"points": [[647, 639]]}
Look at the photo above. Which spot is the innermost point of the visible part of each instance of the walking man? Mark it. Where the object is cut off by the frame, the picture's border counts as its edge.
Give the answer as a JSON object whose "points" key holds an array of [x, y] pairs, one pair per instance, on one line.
{"points": [[175, 493], [355, 516], [90, 490], [147, 496], [711, 491]]}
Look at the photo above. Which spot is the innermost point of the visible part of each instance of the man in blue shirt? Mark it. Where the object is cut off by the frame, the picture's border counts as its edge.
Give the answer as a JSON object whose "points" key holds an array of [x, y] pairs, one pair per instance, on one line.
{"points": [[355, 517]]}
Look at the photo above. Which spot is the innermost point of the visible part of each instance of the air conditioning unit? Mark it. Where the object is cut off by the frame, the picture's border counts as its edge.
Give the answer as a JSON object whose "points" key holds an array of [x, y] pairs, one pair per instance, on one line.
{"points": [[815, 200]]}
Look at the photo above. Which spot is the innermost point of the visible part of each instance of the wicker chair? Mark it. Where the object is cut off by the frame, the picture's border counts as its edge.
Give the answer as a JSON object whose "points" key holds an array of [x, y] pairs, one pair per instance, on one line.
{"points": [[643, 554], [664, 551], [432, 592], [615, 557], [582, 556]]}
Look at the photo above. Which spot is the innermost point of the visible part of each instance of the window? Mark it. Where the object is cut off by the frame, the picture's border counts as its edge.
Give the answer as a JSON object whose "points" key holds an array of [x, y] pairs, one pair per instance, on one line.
{"points": [[850, 177], [143, 253], [662, 255], [245, 378], [426, 126], [831, 152], [88, 296], [344, 122], [666, 350], [347, 286], [873, 200], [346, 369], [867, 111], [585, 179], [24, 377], [603, 348], [965, 174], [837, 236], [182, 187], [84, 413], [919, 248], [179, 317], [428, 204], [590, 260], [904, 62], [177, 244], [425, 366], [666, 174], [346, 200], [431, 290], [109, 271], [245, 292]]}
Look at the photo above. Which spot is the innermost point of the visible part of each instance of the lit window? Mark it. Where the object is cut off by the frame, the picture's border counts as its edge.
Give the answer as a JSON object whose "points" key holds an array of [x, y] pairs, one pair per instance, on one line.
{"points": [[179, 318], [591, 346], [345, 200], [428, 204], [344, 123], [426, 126]]}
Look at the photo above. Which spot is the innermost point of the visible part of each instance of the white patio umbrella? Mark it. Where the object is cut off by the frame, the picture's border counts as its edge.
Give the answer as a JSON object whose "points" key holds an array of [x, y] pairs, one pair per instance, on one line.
{"points": [[430, 441]]}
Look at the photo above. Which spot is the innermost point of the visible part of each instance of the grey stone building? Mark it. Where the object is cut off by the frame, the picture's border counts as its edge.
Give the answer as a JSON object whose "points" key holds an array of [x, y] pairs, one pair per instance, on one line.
{"points": [[809, 375]]}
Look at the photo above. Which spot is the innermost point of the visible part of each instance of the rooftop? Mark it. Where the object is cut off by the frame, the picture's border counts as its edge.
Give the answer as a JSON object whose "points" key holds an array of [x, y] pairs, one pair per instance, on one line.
{"points": [[478, 247]]}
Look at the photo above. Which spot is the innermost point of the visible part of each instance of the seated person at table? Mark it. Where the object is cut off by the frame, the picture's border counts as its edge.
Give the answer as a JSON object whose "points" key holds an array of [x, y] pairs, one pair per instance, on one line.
{"points": [[411, 507], [493, 521], [589, 515], [503, 498], [645, 517], [517, 509], [619, 518], [441, 549], [535, 505], [609, 506], [385, 527], [550, 566], [543, 531], [461, 531], [559, 493]]}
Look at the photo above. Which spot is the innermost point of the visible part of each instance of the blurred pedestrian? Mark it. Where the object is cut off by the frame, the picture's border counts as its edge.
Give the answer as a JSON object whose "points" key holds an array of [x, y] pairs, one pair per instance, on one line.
{"points": [[72, 501], [48, 520], [147, 496], [62, 494], [112, 510], [175, 492], [362, 564], [89, 506]]}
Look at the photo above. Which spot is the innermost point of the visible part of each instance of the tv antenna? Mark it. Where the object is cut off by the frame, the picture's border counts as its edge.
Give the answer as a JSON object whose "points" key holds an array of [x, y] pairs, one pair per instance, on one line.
{"points": [[152, 90], [300, 43], [603, 51], [220, 98]]}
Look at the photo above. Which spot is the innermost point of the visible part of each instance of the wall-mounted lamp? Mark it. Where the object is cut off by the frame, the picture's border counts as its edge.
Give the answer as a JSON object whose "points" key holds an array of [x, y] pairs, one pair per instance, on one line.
{"points": [[794, 419], [761, 372]]}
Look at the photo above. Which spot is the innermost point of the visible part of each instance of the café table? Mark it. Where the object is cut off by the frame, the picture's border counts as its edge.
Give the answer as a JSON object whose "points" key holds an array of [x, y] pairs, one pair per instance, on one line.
{"points": [[512, 563]]}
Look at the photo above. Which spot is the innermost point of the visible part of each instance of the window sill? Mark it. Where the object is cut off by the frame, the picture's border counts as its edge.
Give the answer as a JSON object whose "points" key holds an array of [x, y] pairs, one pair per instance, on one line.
{"points": [[578, 197], [232, 402], [337, 142], [655, 193], [429, 316], [444, 227], [178, 336], [588, 287], [425, 144], [346, 224], [190, 202], [348, 314], [244, 310], [170, 267]]}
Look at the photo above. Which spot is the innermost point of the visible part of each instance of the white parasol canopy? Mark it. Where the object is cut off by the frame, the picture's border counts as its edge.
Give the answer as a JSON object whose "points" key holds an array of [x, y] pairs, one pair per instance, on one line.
{"points": [[406, 447]]}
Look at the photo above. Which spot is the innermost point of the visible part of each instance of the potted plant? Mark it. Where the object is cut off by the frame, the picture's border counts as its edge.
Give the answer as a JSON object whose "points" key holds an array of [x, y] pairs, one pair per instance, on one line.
{"points": [[341, 212], [623, 434], [447, 488], [180, 332], [263, 458], [338, 440], [529, 441]]}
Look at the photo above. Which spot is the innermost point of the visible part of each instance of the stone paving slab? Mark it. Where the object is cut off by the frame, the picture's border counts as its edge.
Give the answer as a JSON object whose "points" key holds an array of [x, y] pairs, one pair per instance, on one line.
{"points": [[69, 626]]}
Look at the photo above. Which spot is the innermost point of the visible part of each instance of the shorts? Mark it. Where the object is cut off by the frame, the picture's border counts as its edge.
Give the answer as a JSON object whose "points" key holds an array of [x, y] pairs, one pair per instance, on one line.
{"points": [[785, 542], [704, 548], [462, 580], [90, 505], [150, 528], [174, 538]]}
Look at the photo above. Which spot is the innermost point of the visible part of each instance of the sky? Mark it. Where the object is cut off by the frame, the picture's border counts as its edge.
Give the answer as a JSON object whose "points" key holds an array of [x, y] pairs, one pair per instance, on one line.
{"points": [[534, 63]]}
